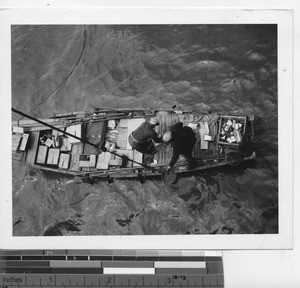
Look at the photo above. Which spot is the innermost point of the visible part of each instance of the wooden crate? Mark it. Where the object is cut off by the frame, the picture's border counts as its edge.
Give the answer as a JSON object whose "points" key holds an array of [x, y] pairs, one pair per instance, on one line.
{"points": [[16, 141], [87, 161], [64, 161], [18, 129], [76, 131], [24, 142], [103, 160], [66, 146], [53, 156], [41, 154]]}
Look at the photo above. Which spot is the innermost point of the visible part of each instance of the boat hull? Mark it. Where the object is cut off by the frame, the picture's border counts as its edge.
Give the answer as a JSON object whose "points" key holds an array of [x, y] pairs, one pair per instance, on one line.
{"points": [[42, 147]]}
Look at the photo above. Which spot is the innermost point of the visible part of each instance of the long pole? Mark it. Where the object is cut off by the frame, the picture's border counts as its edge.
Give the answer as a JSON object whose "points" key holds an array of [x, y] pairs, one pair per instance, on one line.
{"points": [[74, 136]]}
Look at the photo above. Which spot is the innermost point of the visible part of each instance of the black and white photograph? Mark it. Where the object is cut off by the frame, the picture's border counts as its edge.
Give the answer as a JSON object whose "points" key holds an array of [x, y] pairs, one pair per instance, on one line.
{"points": [[155, 127], [147, 129], [144, 129]]}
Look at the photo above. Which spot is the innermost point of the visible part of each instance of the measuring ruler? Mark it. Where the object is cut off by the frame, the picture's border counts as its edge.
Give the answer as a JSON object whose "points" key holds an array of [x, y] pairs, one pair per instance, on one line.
{"points": [[110, 268]]}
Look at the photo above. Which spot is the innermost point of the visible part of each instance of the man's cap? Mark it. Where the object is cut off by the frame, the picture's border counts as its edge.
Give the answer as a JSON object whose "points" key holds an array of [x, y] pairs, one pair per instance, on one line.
{"points": [[154, 121]]}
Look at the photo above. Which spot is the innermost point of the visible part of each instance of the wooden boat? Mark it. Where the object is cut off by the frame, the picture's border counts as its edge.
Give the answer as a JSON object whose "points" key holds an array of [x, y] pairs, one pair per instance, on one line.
{"points": [[222, 139]]}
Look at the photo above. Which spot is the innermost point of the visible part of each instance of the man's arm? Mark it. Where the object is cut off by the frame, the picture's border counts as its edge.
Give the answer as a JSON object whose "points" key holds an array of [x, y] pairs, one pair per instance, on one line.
{"points": [[174, 158], [155, 137]]}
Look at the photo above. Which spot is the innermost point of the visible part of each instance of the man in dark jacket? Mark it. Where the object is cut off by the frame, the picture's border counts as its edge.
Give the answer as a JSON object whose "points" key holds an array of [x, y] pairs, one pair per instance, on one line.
{"points": [[142, 138], [182, 140]]}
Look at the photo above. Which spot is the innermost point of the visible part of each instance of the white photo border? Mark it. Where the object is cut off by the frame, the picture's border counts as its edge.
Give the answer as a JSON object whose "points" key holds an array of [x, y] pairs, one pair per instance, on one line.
{"points": [[283, 18]]}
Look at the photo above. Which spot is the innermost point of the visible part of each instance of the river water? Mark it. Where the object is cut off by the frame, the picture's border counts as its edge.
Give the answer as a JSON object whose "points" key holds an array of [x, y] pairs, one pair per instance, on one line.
{"points": [[203, 67]]}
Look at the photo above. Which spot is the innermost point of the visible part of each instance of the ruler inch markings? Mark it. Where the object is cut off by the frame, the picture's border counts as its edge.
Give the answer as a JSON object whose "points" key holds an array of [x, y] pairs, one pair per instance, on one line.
{"points": [[109, 268]]}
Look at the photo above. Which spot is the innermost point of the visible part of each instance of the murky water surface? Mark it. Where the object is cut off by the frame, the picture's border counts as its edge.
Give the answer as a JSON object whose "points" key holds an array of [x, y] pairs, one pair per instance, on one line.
{"points": [[216, 67]]}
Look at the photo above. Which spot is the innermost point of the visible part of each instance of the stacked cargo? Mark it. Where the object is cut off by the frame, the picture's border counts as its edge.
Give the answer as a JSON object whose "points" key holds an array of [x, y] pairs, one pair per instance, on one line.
{"points": [[55, 149], [231, 130], [19, 139]]}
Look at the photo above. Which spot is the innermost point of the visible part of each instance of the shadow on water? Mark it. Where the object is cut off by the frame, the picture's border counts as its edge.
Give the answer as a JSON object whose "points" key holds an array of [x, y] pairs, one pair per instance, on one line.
{"points": [[63, 227]]}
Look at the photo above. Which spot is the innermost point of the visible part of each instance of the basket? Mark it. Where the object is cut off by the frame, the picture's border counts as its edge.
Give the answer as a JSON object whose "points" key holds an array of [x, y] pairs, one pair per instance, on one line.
{"points": [[233, 132]]}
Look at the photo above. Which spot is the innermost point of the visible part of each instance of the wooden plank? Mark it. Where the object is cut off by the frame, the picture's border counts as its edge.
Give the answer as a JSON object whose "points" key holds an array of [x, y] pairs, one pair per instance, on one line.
{"points": [[204, 129], [197, 147], [32, 147], [29, 122], [77, 149], [42, 128], [213, 132], [138, 157], [74, 165], [159, 155]]}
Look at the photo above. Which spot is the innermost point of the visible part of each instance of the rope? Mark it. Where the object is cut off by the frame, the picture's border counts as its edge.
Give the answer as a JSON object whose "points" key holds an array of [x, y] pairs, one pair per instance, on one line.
{"points": [[66, 77], [74, 136]]}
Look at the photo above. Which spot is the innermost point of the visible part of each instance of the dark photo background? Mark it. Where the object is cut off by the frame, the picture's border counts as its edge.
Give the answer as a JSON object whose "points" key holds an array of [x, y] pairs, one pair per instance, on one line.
{"points": [[58, 68]]}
